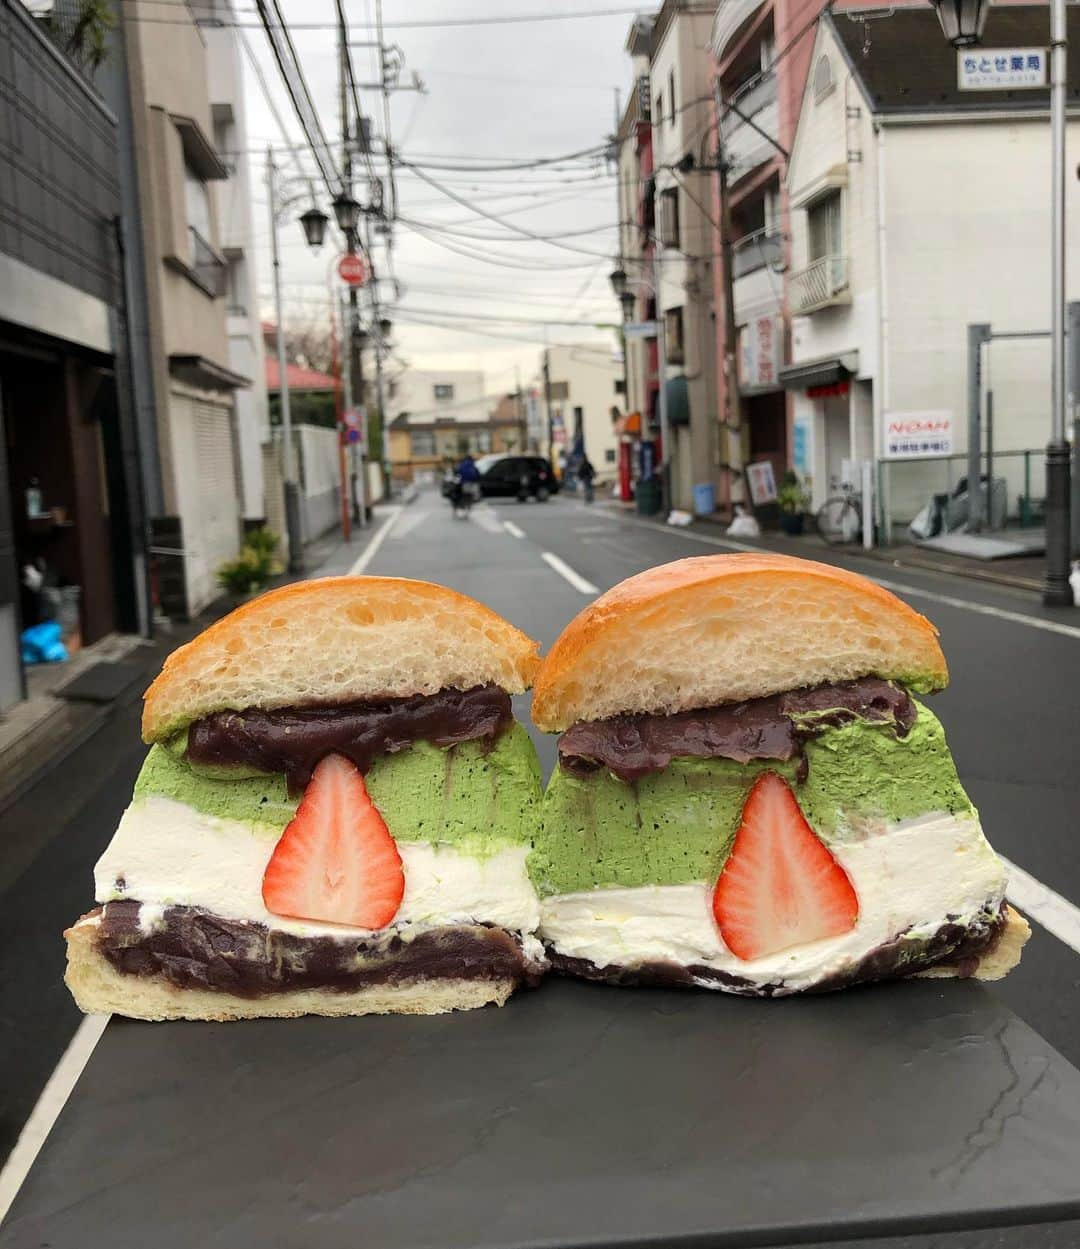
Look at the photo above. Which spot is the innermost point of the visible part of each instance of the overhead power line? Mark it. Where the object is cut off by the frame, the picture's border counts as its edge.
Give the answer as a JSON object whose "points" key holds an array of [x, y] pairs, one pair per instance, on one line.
{"points": [[288, 63]]}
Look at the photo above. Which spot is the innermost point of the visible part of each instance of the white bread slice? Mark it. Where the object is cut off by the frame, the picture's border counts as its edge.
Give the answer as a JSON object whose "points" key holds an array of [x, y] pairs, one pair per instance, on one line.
{"points": [[338, 639], [723, 628], [99, 989], [999, 960]]}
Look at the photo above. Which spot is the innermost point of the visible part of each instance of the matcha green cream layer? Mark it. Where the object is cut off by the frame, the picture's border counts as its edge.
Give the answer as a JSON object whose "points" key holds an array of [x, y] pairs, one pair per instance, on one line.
{"points": [[476, 798], [677, 826]]}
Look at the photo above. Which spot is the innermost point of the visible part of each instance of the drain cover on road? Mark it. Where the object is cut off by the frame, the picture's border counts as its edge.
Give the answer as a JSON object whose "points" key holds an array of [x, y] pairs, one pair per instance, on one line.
{"points": [[104, 682]]}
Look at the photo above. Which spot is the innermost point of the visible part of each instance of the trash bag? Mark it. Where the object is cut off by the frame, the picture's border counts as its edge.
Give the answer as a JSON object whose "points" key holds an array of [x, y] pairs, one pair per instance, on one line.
{"points": [[744, 525], [41, 644], [930, 521]]}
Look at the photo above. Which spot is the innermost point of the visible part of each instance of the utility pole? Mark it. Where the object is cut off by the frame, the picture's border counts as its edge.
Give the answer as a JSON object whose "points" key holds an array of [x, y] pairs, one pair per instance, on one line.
{"points": [[547, 410], [292, 494], [355, 392], [732, 422], [1057, 591]]}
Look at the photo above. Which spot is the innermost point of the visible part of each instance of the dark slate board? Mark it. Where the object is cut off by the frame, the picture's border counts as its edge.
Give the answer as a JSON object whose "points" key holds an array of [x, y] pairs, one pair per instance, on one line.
{"points": [[578, 1115]]}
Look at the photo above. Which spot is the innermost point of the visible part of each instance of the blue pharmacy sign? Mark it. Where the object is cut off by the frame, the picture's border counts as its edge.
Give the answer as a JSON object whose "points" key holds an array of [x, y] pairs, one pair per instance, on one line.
{"points": [[1001, 69]]}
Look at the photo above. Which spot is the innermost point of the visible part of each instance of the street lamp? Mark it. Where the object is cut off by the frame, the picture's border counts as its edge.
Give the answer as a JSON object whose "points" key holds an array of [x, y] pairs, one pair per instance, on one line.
{"points": [[385, 327], [347, 212], [962, 21], [314, 222], [617, 278], [627, 299]]}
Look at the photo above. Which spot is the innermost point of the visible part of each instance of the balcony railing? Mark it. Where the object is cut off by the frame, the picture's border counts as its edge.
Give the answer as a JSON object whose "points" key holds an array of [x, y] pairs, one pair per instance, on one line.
{"points": [[750, 143], [755, 251], [820, 284], [207, 267]]}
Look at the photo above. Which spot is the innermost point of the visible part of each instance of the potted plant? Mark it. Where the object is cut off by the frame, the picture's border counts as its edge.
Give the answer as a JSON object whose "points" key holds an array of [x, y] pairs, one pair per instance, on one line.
{"points": [[249, 573], [793, 500]]}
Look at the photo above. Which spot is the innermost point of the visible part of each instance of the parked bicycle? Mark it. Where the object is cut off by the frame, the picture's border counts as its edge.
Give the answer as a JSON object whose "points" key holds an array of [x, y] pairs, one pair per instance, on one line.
{"points": [[839, 518]]}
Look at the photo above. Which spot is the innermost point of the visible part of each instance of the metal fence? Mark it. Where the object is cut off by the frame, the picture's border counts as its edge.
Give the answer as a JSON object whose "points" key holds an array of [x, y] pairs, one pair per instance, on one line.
{"points": [[906, 486], [819, 283]]}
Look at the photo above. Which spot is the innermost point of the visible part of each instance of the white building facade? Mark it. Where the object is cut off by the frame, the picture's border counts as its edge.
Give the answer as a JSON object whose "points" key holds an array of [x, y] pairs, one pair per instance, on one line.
{"points": [[916, 211], [680, 78], [437, 395], [236, 236], [585, 384]]}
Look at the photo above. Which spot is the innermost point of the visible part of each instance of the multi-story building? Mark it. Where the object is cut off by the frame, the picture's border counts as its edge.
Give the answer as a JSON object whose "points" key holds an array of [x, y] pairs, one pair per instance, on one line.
{"points": [[758, 96], [636, 221], [236, 235], [435, 416], [583, 385], [70, 495], [667, 237], [156, 78], [905, 196]]}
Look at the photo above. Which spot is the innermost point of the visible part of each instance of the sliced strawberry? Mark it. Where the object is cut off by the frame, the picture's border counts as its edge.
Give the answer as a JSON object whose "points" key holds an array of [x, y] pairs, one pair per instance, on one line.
{"points": [[336, 860], [780, 886]]}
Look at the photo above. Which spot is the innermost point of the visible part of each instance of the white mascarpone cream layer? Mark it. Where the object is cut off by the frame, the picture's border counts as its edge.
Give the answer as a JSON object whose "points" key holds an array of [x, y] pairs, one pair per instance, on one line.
{"points": [[166, 853], [907, 876]]}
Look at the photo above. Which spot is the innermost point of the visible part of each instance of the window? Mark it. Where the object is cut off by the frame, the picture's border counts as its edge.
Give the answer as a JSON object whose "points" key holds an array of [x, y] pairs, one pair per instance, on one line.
{"points": [[673, 336], [609, 455], [823, 79], [824, 231], [422, 442], [483, 441], [671, 97], [669, 217], [444, 390], [659, 112], [197, 202], [235, 288], [620, 385]]}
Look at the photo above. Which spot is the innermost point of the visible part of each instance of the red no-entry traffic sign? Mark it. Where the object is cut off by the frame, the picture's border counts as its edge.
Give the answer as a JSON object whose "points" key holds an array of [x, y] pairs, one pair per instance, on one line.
{"points": [[351, 269]]}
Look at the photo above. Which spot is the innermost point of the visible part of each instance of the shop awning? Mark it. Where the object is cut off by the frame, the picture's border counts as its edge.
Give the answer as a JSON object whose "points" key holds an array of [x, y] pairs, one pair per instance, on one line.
{"points": [[824, 371], [677, 392]]}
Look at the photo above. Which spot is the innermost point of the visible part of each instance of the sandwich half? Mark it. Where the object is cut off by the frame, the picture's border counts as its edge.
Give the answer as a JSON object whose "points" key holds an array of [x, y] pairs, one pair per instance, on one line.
{"points": [[748, 795], [334, 816]]}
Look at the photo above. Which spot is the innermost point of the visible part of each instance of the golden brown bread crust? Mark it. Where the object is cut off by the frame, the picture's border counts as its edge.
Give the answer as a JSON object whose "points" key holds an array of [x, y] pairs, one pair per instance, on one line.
{"points": [[99, 989], [723, 628], [337, 639]]}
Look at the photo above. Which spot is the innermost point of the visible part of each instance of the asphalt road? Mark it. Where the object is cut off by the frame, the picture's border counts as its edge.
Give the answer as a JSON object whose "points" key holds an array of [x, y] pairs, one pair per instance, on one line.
{"points": [[1010, 711], [1009, 714]]}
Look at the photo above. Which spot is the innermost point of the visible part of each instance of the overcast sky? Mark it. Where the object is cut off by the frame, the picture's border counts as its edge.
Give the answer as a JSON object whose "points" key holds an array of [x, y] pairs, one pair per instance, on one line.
{"points": [[496, 92]]}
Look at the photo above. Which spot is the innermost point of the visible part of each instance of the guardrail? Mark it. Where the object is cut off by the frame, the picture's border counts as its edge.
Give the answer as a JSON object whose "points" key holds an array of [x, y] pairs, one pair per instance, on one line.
{"points": [[820, 284], [755, 251]]}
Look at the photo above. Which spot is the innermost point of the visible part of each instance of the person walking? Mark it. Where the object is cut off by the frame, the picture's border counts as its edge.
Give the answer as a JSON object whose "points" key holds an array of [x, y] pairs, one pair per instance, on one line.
{"points": [[586, 475]]}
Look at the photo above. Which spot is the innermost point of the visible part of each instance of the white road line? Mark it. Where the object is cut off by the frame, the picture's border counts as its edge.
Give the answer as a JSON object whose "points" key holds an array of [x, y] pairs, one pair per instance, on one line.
{"points": [[376, 542], [513, 529], [898, 587], [1039, 902], [45, 1113], [564, 570]]}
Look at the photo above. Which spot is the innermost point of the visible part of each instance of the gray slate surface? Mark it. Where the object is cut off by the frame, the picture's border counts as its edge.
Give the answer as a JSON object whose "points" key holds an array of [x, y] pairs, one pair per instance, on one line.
{"points": [[578, 1115]]}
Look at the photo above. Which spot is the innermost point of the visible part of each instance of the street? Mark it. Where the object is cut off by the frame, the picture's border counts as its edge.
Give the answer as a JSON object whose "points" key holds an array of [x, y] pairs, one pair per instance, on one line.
{"points": [[1008, 713]]}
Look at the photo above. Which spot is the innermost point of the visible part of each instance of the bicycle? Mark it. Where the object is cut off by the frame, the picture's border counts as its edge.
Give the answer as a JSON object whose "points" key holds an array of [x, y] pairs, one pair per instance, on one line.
{"points": [[839, 518]]}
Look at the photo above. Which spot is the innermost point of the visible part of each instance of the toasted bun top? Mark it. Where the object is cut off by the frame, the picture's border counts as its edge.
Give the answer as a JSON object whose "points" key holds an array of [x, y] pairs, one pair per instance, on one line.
{"points": [[724, 628], [338, 639]]}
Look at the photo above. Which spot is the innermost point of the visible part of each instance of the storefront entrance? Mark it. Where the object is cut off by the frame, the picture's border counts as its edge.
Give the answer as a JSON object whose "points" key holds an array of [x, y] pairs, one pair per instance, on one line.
{"points": [[63, 556]]}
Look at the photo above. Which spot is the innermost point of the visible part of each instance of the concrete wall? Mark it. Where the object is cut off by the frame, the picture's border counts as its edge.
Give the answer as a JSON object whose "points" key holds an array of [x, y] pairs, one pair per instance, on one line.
{"points": [[320, 480], [233, 200]]}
